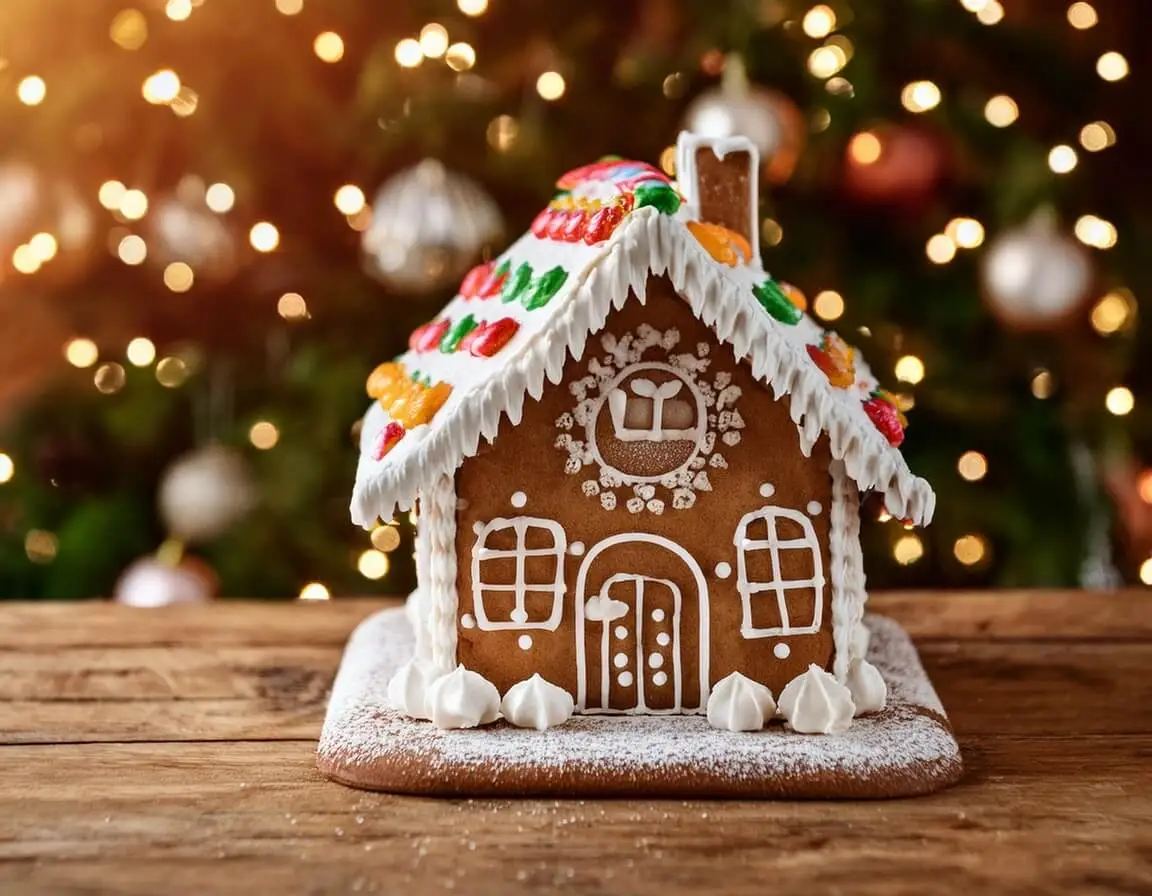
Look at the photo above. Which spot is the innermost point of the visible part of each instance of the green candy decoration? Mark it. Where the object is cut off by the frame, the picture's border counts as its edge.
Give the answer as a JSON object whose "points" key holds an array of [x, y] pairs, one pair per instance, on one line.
{"points": [[516, 284], [772, 299], [456, 332], [660, 196], [545, 287]]}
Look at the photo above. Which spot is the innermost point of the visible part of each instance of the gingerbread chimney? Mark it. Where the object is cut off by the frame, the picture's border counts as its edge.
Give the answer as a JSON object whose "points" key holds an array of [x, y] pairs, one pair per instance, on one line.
{"points": [[718, 178]]}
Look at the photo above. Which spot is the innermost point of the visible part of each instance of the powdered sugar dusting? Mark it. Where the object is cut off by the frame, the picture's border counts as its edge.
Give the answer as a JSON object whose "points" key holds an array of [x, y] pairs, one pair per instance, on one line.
{"points": [[903, 750]]}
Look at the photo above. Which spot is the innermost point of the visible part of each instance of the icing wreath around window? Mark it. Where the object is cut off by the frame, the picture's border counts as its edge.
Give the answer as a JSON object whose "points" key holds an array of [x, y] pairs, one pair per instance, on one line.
{"points": [[649, 422], [518, 574]]}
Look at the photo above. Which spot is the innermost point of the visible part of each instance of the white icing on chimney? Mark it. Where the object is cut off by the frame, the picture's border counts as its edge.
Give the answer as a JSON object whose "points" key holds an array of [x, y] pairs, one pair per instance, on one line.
{"points": [[687, 177]]}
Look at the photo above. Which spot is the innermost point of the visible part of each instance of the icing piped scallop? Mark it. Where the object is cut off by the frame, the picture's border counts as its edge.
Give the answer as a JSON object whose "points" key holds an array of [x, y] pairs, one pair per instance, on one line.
{"points": [[537, 703], [816, 703], [737, 703], [462, 699], [864, 681], [408, 689]]}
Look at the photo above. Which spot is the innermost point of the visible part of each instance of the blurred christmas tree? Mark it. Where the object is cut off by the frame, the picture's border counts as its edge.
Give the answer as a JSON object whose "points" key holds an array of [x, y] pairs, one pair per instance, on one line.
{"points": [[190, 255]]}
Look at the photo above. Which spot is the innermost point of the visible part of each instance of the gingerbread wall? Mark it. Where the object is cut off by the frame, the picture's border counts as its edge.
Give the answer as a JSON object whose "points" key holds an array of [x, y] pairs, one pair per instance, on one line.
{"points": [[524, 473]]}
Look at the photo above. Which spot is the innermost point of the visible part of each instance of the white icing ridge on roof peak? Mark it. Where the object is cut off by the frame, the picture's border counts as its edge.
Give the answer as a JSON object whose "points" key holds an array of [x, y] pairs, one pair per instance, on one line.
{"points": [[600, 278]]}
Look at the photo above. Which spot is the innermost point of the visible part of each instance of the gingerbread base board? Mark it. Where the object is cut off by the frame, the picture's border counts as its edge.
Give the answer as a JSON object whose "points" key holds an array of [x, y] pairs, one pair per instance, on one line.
{"points": [[906, 750]]}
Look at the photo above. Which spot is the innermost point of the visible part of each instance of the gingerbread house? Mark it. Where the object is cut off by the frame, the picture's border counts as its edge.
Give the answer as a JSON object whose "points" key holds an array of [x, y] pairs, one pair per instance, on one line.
{"points": [[636, 466]]}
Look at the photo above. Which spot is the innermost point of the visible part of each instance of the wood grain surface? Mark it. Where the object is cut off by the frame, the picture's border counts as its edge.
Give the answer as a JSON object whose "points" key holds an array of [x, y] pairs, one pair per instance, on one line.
{"points": [[171, 751]]}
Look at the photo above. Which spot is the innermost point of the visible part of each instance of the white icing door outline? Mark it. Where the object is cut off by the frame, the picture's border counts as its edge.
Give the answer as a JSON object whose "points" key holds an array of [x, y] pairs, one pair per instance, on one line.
{"points": [[640, 676], [616, 407], [780, 586], [581, 622]]}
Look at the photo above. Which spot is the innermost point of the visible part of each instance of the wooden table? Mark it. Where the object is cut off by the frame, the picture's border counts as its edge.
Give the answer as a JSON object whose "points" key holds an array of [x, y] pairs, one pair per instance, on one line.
{"points": [[171, 751]]}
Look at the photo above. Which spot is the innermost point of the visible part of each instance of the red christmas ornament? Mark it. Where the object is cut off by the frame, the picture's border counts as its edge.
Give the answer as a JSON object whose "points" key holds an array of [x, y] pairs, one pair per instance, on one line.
{"points": [[893, 164]]}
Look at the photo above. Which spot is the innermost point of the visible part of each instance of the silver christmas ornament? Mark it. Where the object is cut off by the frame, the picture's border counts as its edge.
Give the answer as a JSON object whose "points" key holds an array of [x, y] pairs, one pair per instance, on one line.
{"points": [[179, 228], [1034, 276], [429, 226], [766, 117], [151, 582], [204, 492]]}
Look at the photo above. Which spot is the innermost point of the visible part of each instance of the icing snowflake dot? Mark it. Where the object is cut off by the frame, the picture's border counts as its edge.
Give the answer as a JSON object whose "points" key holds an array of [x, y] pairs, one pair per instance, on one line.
{"points": [[468, 620], [624, 679], [621, 632], [663, 639], [782, 651], [519, 499], [767, 490], [723, 570], [525, 642], [814, 507], [620, 660], [576, 548], [660, 678], [519, 615], [655, 661], [657, 615]]}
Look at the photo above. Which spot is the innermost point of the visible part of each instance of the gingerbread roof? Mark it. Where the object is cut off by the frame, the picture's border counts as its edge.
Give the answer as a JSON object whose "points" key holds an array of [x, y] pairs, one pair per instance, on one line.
{"points": [[518, 319]]}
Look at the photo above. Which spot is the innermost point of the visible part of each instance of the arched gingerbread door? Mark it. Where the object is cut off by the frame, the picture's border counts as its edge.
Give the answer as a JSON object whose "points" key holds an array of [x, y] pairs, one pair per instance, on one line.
{"points": [[641, 636]]}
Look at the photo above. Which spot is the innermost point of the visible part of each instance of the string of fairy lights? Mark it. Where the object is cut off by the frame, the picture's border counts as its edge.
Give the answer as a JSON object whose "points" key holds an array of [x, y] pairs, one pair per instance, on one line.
{"points": [[129, 204]]}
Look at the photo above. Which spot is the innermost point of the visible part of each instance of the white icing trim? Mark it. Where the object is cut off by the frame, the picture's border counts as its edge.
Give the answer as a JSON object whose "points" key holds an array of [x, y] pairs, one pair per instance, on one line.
{"points": [[439, 515], [774, 544], [687, 177], [418, 599], [846, 561], [520, 525], [646, 242], [702, 597]]}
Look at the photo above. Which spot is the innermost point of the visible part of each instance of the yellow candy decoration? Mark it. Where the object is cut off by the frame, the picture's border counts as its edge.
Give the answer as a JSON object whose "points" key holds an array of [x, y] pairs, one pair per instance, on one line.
{"points": [[384, 379], [419, 404]]}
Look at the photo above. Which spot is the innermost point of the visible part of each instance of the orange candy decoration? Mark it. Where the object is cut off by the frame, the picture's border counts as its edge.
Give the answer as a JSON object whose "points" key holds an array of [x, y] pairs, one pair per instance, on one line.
{"points": [[406, 401], [795, 296], [836, 358], [726, 246]]}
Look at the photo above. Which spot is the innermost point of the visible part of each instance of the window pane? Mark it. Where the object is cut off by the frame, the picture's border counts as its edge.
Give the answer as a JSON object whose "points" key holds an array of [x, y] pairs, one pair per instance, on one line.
{"points": [[765, 610], [498, 605], [500, 539], [539, 605], [757, 529], [638, 413], [538, 537], [758, 567], [801, 604], [498, 571], [678, 414], [540, 571], [787, 529], [797, 563]]}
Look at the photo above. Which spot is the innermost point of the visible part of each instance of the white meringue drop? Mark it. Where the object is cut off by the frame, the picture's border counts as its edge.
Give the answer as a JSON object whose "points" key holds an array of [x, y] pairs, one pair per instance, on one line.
{"points": [[816, 703], [864, 681], [408, 689], [737, 703], [537, 703], [462, 699]]}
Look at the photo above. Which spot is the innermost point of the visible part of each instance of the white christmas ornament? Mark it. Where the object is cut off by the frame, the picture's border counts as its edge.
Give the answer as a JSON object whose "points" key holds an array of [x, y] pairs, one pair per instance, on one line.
{"points": [[204, 492], [737, 703], [1034, 276], [537, 703], [429, 225], [462, 699], [816, 703], [408, 689], [866, 684], [149, 582]]}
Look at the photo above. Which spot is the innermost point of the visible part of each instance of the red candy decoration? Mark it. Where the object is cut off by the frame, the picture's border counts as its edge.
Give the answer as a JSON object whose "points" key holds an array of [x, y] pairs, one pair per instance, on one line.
{"points": [[427, 337], [540, 224], [386, 441], [487, 339], [886, 417], [475, 280], [574, 228], [557, 224], [602, 224]]}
